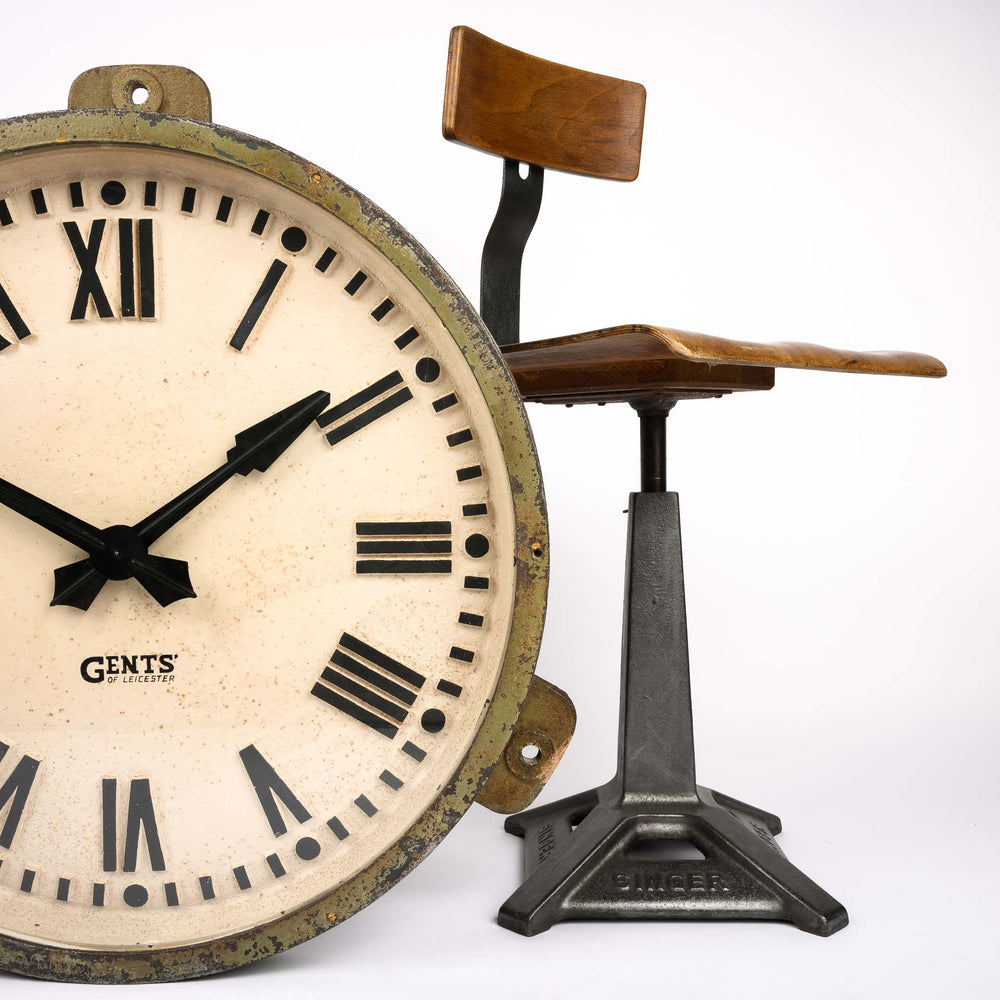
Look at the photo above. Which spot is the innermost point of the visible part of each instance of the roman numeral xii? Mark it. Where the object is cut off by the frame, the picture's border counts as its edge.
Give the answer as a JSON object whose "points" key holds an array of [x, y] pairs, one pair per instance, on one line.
{"points": [[135, 279]]}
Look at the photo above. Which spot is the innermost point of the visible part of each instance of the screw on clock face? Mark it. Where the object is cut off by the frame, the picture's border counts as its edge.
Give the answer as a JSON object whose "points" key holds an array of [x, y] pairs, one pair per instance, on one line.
{"points": [[120, 552]]}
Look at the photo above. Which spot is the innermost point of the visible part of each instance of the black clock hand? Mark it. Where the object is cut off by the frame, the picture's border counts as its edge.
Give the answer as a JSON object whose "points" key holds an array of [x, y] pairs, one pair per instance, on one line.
{"points": [[166, 579], [258, 447], [50, 517]]}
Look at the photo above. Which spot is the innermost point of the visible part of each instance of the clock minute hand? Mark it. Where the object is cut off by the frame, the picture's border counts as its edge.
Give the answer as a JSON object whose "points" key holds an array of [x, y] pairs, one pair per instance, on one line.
{"points": [[257, 447]]}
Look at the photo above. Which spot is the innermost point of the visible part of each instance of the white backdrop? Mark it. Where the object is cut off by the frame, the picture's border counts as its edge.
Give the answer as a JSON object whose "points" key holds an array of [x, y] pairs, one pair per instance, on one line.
{"points": [[820, 170]]}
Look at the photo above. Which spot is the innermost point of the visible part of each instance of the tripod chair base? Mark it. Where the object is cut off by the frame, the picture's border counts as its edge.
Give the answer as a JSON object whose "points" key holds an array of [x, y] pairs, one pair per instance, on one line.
{"points": [[596, 856]]}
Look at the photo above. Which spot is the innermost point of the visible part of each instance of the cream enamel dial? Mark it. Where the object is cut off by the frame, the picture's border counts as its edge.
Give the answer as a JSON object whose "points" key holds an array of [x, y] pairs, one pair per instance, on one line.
{"points": [[178, 770]]}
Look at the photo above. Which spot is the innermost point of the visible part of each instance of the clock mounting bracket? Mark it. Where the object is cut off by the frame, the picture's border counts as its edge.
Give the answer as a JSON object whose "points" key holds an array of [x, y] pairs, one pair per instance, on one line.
{"points": [[538, 741], [165, 90]]}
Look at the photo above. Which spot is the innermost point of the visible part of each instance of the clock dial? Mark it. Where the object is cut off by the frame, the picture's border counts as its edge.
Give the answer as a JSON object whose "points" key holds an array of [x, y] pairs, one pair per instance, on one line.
{"points": [[223, 389]]}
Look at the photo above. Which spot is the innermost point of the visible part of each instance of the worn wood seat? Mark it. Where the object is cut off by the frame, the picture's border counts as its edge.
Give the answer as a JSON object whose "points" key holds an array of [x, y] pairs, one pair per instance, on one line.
{"points": [[530, 110], [628, 362]]}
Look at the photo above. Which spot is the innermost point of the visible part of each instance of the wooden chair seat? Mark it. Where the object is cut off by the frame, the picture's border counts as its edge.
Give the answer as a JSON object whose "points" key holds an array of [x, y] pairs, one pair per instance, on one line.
{"points": [[625, 363]]}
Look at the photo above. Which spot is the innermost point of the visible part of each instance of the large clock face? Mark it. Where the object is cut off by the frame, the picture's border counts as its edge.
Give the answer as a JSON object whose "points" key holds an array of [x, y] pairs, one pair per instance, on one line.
{"points": [[174, 773]]}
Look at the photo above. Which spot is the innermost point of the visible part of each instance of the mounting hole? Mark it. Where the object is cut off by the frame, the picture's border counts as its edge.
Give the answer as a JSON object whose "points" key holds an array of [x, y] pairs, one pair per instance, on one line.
{"points": [[530, 755], [537, 550], [523, 169], [135, 88]]}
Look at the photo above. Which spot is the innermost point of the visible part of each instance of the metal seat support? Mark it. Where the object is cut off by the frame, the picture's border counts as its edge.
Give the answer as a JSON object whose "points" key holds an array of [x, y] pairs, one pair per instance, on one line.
{"points": [[611, 852]]}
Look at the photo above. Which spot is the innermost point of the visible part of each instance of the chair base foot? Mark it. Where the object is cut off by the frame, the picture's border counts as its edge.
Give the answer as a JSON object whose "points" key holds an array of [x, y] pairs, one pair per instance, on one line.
{"points": [[601, 855]]}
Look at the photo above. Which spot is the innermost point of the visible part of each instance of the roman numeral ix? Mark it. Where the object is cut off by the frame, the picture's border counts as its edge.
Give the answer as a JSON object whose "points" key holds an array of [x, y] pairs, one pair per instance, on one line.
{"points": [[135, 269], [403, 546], [369, 686]]}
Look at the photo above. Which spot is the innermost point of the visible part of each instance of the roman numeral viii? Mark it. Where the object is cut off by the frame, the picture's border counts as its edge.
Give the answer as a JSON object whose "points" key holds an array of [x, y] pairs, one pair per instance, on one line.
{"points": [[367, 686], [136, 284], [14, 794], [140, 821]]}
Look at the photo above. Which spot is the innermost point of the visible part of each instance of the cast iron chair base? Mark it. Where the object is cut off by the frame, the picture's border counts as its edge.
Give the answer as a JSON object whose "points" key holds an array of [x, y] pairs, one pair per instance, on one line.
{"points": [[610, 853], [588, 857]]}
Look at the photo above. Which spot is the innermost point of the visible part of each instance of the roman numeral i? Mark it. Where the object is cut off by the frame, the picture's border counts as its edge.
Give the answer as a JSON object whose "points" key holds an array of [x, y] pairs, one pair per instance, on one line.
{"points": [[135, 269]]}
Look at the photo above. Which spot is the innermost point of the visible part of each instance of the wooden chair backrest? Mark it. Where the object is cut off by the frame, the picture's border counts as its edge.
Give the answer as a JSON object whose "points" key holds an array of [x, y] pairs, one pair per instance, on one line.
{"points": [[518, 106]]}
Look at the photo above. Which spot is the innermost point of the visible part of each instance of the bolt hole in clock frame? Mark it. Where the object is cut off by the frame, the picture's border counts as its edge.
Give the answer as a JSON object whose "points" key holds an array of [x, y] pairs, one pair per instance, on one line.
{"points": [[276, 523]]}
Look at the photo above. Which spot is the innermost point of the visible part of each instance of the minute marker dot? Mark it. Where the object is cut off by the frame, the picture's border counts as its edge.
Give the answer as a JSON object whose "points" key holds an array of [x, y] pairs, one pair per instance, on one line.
{"points": [[293, 239], [427, 370], [433, 720], [307, 849], [477, 546]]}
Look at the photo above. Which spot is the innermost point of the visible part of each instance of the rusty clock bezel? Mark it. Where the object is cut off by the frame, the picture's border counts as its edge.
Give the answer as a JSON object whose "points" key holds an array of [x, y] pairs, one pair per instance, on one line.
{"points": [[54, 131]]}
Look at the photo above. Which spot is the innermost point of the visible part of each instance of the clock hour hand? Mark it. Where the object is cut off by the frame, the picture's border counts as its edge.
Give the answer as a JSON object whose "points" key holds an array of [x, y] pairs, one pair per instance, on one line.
{"points": [[50, 517], [118, 550], [257, 448], [167, 580]]}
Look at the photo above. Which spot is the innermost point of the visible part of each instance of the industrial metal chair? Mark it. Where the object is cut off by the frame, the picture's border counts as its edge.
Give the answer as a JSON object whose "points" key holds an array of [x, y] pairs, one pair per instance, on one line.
{"points": [[583, 856]]}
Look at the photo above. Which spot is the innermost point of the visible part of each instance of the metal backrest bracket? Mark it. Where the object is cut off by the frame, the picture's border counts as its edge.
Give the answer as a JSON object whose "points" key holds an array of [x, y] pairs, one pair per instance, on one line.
{"points": [[500, 277]]}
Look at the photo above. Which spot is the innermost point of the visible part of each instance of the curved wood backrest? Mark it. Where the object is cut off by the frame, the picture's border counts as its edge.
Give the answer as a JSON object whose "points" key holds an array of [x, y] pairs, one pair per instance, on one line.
{"points": [[518, 106]]}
